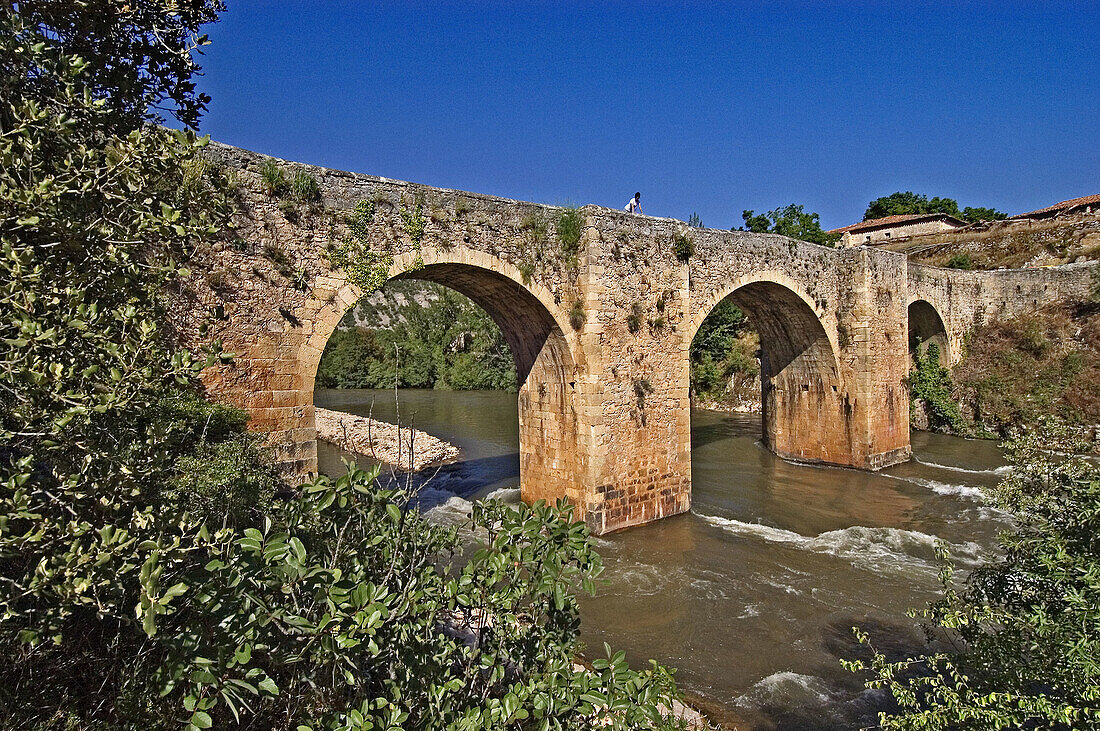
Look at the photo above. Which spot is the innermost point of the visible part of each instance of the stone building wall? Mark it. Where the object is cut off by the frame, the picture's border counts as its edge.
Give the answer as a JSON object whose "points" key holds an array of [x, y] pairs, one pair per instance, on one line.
{"points": [[895, 232]]}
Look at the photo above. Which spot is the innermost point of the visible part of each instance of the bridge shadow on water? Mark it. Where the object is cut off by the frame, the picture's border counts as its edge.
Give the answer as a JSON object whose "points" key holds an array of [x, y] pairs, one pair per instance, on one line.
{"points": [[710, 430]]}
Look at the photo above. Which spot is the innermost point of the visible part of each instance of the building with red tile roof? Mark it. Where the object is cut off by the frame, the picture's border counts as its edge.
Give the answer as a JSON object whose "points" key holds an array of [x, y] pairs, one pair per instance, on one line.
{"points": [[892, 228], [1086, 204]]}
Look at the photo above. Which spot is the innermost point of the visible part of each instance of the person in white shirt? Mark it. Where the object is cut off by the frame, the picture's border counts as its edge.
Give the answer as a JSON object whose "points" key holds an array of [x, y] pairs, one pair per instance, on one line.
{"points": [[635, 204]]}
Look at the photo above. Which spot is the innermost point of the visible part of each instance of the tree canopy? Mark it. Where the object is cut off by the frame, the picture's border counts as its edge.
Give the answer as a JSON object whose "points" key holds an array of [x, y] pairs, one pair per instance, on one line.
{"points": [[791, 220], [908, 202], [139, 56]]}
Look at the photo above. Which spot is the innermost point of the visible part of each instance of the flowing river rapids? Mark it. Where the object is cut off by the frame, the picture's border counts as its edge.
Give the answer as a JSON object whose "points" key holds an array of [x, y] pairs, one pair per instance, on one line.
{"points": [[752, 596]]}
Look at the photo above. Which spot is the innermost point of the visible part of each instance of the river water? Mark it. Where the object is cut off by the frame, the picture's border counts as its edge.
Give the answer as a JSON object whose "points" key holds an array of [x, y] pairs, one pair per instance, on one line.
{"points": [[752, 595]]}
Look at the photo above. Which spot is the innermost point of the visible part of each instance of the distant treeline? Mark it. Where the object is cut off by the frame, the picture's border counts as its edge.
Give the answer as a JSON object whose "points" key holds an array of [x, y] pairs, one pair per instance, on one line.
{"points": [[421, 335]]}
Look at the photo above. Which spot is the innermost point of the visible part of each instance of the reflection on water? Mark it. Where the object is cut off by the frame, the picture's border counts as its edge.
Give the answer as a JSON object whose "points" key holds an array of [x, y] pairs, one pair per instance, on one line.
{"points": [[752, 595]]}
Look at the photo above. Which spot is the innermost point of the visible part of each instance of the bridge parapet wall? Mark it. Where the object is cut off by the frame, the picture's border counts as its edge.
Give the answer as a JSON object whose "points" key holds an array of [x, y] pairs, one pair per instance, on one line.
{"points": [[964, 299]]}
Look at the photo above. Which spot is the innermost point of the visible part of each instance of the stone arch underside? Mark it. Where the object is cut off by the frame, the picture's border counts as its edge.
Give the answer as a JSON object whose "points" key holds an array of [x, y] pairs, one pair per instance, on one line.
{"points": [[926, 327], [545, 372], [805, 415]]}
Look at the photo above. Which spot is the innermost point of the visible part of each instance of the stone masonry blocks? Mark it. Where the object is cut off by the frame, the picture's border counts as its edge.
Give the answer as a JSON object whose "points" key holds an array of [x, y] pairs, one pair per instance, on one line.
{"points": [[604, 412]]}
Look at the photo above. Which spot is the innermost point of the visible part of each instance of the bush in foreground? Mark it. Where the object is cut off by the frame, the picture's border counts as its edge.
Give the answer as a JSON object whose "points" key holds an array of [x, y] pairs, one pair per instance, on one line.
{"points": [[152, 571], [1024, 627]]}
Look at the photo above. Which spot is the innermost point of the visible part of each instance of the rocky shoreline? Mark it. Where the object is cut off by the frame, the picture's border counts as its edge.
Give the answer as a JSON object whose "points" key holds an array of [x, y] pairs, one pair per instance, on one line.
{"points": [[384, 442]]}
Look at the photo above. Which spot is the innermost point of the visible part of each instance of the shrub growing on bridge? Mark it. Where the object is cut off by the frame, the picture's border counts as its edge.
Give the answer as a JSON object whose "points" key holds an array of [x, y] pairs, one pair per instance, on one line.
{"points": [[930, 388], [570, 225]]}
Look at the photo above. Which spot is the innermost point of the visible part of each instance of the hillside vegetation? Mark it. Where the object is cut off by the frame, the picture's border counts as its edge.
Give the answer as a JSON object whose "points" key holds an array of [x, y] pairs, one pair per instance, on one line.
{"points": [[1043, 364], [1016, 372], [1008, 244], [417, 335]]}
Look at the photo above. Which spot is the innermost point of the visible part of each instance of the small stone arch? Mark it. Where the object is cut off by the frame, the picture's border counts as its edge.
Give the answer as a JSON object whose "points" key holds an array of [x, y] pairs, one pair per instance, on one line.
{"points": [[925, 326], [542, 348], [804, 403]]}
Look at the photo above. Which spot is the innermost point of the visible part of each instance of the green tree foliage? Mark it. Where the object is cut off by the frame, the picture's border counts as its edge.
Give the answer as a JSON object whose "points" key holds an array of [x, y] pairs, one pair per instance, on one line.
{"points": [[973, 215], [930, 388], [149, 578], [760, 224], [792, 221], [723, 356], [900, 203], [1022, 628], [97, 415], [137, 55], [448, 342]]}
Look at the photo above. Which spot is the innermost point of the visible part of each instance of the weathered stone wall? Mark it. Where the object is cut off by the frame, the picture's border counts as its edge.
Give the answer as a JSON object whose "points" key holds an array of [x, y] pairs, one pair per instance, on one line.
{"points": [[963, 299], [273, 298], [603, 406], [829, 323], [887, 234]]}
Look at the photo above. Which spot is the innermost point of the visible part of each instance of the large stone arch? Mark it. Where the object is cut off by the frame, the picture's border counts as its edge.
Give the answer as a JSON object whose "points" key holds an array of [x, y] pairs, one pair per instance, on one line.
{"points": [[802, 393], [926, 326], [542, 348], [772, 277]]}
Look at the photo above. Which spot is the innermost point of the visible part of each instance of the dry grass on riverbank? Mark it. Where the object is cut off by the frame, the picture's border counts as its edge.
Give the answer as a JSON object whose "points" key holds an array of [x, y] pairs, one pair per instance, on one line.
{"points": [[1020, 370]]}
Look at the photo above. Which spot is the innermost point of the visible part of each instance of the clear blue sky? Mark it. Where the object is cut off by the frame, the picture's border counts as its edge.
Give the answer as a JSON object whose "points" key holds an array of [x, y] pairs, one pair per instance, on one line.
{"points": [[706, 107]]}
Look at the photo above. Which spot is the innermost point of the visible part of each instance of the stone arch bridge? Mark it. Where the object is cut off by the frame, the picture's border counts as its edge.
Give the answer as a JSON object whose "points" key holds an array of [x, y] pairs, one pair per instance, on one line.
{"points": [[600, 335]]}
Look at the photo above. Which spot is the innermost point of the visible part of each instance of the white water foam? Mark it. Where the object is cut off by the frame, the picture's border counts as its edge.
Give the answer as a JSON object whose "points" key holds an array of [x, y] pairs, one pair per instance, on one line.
{"points": [[865, 547], [441, 506], [1002, 470], [946, 488], [788, 687], [509, 495]]}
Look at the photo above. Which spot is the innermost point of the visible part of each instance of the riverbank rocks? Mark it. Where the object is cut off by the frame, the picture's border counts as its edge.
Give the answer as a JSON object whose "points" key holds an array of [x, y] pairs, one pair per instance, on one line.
{"points": [[402, 447]]}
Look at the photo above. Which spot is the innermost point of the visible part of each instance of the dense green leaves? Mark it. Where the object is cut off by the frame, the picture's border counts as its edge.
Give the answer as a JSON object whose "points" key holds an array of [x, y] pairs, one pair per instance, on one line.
{"points": [[931, 389], [792, 221], [1024, 628], [724, 364], [138, 54], [908, 202], [153, 572]]}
